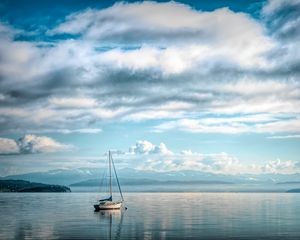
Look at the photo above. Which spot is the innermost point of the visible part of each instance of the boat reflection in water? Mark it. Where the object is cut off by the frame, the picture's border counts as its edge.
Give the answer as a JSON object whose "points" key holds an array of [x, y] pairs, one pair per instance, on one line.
{"points": [[111, 220]]}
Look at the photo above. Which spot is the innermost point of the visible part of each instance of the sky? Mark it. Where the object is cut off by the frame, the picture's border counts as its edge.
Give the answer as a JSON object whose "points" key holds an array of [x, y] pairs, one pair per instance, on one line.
{"points": [[210, 86]]}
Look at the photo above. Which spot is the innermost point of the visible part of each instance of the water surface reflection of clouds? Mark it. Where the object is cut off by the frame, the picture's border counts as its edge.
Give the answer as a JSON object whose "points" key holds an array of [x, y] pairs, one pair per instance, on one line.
{"points": [[151, 216]]}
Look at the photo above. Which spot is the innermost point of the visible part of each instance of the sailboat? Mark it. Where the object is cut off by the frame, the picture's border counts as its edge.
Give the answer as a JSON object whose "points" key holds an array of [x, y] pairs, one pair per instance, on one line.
{"points": [[108, 203]]}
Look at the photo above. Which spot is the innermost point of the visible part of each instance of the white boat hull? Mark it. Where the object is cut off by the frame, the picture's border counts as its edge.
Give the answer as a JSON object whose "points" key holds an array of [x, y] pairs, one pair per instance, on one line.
{"points": [[108, 205]]}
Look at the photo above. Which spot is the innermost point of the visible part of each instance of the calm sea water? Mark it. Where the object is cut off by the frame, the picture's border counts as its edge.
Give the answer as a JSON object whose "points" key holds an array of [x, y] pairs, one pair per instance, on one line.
{"points": [[151, 216]]}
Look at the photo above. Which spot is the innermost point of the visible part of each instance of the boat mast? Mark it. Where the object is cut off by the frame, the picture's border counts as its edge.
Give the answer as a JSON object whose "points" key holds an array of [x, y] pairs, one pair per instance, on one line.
{"points": [[117, 178], [110, 189]]}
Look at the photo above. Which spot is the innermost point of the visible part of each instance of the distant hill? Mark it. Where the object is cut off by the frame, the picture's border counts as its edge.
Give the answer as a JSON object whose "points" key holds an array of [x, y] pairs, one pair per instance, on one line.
{"points": [[297, 190], [58, 176], [296, 182], [71, 176], [143, 181], [25, 186], [67, 177]]}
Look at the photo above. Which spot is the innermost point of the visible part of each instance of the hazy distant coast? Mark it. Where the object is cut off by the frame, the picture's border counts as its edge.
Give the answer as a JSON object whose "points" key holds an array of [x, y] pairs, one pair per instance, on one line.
{"points": [[26, 186], [296, 190], [132, 180], [143, 181], [132, 176]]}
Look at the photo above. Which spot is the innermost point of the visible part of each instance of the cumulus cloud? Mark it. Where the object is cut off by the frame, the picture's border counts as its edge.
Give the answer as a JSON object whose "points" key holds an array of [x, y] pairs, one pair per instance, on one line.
{"points": [[145, 155], [182, 63], [176, 67], [172, 24], [159, 19], [146, 147], [218, 163], [8, 146], [283, 167], [31, 144]]}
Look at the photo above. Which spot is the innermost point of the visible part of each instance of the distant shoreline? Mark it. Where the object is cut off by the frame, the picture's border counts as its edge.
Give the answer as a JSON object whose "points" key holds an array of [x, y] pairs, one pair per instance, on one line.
{"points": [[138, 182], [26, 186], [157, 189]]}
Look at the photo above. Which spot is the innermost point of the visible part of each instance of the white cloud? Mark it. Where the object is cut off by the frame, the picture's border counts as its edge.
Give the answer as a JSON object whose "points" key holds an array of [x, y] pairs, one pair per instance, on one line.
{"points": [[181, 62], [65, 120], [201, 72], [217, 163], [82, 130], [220, 163], [168, 24], [187, 152], [31, 144], [73, 102], [284, 136], [8, 146], [69, 131], [283, 167], [146, 156], [273, 5], [260, 123], [153, 114], [248, 87], [286, 126], [283, 20], [6, 31], [146, 147], [196, 126]]}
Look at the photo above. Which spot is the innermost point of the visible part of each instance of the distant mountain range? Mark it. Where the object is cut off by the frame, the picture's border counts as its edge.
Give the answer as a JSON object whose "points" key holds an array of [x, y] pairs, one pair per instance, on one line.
{"points": [[296, 182], [144, 181], [135, 177]]}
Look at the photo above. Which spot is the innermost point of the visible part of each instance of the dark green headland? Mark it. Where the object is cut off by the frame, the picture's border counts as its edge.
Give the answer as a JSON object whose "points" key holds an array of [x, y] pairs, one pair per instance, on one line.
{"points": [[26, 186]]}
